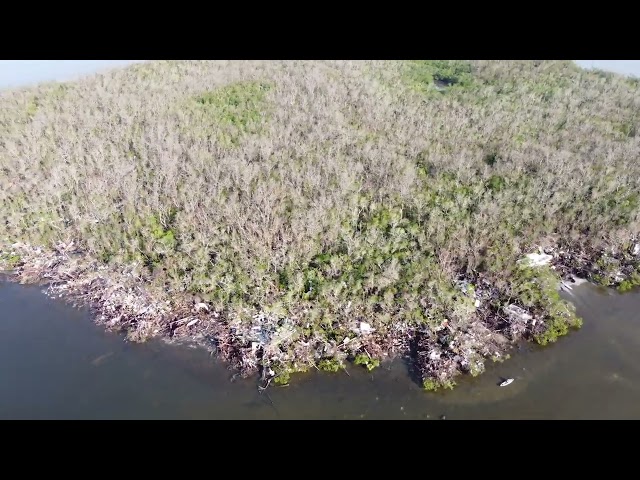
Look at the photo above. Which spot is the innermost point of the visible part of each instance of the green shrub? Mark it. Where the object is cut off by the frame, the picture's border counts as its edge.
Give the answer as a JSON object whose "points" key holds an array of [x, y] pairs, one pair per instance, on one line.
{"points": [[366, 361]]}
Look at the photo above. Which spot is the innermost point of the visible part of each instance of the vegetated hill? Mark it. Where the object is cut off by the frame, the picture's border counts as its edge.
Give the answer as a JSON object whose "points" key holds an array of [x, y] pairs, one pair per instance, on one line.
{"points": [[385, 203]]}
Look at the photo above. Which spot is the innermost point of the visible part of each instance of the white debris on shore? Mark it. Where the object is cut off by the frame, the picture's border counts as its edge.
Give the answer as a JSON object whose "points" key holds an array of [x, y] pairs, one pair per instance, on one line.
{"points": [[517, 314], [365, 328], [536, 259]]}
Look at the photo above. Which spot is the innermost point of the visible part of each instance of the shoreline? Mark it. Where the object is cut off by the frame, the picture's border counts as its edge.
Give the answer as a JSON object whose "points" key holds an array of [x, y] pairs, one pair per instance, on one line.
{"points": [[125, 300], [293, 216]]}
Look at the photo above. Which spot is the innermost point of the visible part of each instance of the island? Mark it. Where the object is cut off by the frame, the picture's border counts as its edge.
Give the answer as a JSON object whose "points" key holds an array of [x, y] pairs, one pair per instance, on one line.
{"points": [[299, 215]]}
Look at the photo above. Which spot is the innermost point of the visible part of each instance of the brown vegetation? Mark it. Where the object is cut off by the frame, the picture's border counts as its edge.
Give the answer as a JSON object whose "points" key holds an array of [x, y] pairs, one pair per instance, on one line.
{"points": [[306, 213]]}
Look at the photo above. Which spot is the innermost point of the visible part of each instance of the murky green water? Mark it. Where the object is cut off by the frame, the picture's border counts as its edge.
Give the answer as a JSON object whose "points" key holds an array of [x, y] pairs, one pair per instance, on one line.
{"points": [[54, 363]]}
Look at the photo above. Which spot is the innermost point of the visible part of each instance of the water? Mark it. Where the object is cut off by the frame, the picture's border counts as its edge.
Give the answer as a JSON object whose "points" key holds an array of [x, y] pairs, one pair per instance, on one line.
{"points": [[55, 364]]}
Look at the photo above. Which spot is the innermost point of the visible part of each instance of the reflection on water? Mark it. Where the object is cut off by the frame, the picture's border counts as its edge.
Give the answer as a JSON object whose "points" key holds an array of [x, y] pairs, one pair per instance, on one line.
{"points": [[54, 363]]}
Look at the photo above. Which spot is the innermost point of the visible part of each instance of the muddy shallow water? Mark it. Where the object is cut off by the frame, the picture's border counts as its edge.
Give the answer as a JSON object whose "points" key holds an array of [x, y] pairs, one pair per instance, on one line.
{"points": [[55, 364]]}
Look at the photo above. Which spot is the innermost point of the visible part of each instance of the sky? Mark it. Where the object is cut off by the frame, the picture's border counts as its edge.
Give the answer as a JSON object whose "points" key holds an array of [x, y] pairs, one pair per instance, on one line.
{"points": [[17, 73], [627, 67]]}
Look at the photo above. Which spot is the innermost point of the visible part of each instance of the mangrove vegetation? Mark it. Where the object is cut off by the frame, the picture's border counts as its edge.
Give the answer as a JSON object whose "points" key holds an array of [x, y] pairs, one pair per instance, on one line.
{"points": [[300, 215]]}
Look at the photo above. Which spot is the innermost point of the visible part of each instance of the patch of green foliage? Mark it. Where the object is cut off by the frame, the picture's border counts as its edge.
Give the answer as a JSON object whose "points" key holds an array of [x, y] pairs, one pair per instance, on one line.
{"points": [[366, 361], [625, 286], [433, 385], [620, 204], [32, 107], [330, 365], [239, 109], [536, 288], [629, 284], [10, 260], [282, 378], [43, 226], [283, 372], [424, 75], [151, 238]]}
